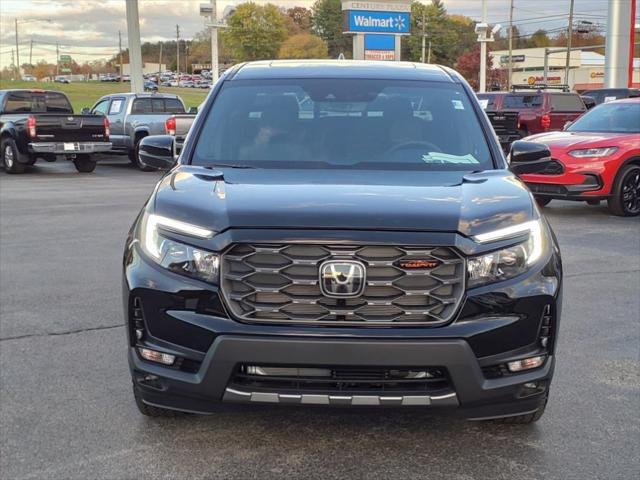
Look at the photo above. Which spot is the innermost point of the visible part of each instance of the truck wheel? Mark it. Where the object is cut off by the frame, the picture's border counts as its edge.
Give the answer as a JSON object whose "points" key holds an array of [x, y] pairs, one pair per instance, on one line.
{"points": [[10, 156], [625, 196], [527, 418], [133, 157], [84, 163], [543, 201], [151, 411]]}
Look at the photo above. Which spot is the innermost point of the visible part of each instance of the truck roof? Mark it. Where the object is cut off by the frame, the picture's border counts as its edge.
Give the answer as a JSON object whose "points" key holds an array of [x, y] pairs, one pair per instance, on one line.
{"points": [[282, 69], [141, 95]]}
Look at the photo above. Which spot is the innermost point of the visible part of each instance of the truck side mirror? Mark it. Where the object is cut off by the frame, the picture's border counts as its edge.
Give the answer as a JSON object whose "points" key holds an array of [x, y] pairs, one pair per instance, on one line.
{"points": [[529, 157], [85, 111], [156, 151], [193, 110]]}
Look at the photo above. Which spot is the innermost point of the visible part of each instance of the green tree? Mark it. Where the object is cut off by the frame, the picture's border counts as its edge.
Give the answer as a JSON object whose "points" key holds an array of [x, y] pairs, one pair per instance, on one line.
{"points": [[304, 45], [255, 32], [539, 38], [326, 22], [449, 35]]}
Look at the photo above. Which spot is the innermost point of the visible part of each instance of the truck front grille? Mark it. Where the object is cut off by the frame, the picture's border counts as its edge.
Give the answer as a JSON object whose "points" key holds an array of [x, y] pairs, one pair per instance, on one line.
{"points": [[280, 283]]}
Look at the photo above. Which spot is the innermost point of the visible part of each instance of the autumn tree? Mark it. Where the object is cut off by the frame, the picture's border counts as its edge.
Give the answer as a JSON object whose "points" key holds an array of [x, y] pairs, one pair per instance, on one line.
{"points": [[304, 45], [255, 32], [468, 65], [43, 69], [301, 18]]}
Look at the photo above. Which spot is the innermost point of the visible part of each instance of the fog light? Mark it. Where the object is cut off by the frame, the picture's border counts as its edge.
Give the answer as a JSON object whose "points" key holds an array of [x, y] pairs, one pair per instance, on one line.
{"points": [[526, 364], [157, 357]]}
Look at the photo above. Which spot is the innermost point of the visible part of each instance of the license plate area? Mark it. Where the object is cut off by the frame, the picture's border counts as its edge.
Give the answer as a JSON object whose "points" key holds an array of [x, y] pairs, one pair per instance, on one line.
{"points": [[70, 147]]}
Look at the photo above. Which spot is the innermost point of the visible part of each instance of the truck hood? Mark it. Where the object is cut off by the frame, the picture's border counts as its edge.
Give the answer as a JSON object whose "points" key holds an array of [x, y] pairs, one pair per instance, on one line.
{"points": [[336, 199]]}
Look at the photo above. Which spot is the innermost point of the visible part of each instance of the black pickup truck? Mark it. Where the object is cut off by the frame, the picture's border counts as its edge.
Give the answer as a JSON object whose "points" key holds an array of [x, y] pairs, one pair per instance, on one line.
{"points": [[41, 124]]}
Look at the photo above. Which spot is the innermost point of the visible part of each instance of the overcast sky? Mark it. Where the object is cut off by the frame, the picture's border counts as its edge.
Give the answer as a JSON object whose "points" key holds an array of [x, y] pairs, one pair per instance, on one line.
{"points": [[88, 29]]}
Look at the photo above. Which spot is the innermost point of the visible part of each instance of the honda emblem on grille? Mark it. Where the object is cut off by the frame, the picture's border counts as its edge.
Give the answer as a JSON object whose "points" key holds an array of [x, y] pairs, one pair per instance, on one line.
{"points": [[342, 278]]}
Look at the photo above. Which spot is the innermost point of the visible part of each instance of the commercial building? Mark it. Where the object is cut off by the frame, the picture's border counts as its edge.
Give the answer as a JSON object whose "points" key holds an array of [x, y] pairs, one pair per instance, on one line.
{"points": [[586, 68]]}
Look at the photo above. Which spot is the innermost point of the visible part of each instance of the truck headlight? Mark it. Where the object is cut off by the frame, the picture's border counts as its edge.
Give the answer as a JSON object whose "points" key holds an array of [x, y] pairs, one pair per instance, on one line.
{"points": [[176, 256], [507, 262], [593, 152]]}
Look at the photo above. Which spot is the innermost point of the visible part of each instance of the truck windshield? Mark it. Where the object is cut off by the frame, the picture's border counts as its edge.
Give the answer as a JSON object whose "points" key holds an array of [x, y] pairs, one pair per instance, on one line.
{"points": [[610, 117], [343, 123]]}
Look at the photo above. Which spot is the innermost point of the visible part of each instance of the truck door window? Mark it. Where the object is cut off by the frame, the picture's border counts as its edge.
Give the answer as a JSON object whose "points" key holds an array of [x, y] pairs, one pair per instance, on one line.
{"points": [[101, 107], [116, 106]]}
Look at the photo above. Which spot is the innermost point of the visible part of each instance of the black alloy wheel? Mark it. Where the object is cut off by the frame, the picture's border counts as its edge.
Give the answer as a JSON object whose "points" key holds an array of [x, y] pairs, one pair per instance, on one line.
{"points": [[625, 201]]}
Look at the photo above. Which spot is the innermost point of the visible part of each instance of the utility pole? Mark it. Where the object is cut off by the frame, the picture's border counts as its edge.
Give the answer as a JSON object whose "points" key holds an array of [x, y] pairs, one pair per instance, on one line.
{"points": [[120, 53], [429, 52], [12, 60], [57, 59], [135, 51], [214, 42], [178, 50], [569, 35], [17, 50], [424, 38], [483, 53], [31, 52], [186, 57], [160, 64], [510, 45]]}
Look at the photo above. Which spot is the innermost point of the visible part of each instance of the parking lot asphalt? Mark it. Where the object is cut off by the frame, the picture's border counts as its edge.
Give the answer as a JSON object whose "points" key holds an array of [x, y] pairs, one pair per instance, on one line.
{"points": [[66, 407]]}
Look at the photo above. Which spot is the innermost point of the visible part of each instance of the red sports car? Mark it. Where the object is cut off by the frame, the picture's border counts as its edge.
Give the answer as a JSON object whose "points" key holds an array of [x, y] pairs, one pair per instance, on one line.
{"points": [[596, 158]]}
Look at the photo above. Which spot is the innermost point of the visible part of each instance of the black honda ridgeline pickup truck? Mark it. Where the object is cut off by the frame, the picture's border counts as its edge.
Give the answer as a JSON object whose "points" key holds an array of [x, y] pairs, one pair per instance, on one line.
{"points": [[342, 233]]}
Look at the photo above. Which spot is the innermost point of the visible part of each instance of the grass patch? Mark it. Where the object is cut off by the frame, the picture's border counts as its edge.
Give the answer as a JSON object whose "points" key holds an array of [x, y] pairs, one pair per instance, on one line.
{"points": [[86, 94]]}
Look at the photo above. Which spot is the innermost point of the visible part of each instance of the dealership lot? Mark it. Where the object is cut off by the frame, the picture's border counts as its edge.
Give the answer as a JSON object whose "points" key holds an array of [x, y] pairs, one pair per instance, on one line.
{"points": [[66, 404]]}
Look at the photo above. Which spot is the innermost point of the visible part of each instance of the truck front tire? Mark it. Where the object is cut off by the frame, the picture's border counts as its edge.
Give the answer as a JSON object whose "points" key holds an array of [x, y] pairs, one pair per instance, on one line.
{"points": [[10, 156]]}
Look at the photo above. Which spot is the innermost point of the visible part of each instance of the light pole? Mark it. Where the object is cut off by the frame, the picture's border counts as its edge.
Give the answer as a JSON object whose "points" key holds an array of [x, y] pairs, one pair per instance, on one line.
{"points": [[135, 52], [484, 35], [618, 39], [211, 12], [569, 35], [483, 51]]}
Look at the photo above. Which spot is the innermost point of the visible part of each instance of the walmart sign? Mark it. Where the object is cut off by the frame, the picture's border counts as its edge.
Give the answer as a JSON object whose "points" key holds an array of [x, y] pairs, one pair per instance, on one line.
{"points": [[376, 22]]}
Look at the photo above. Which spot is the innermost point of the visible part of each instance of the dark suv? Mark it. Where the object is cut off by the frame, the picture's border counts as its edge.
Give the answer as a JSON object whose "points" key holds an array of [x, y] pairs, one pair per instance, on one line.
{"points": [[346, 234]]}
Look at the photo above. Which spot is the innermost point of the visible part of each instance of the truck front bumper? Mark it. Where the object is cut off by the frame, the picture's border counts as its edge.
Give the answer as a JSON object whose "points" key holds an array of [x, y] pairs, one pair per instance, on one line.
{"points": [[471, 394], [69, 148]]}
